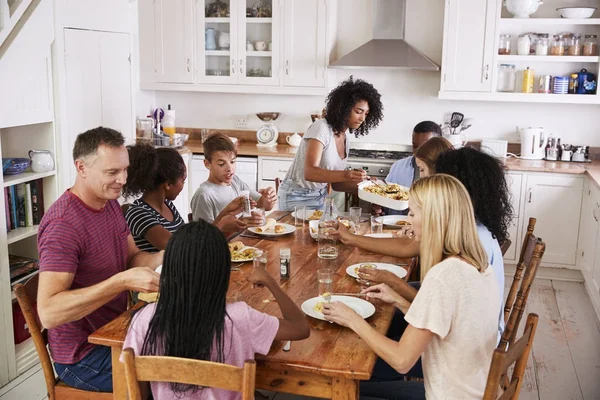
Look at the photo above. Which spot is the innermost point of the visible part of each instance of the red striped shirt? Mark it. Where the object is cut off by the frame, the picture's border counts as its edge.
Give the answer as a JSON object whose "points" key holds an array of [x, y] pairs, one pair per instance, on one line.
{"points": [[92, 245]]}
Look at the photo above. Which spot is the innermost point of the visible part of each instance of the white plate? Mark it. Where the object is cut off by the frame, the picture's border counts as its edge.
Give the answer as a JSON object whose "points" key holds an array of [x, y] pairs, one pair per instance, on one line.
{"points": [[381, 200], [392, 220], [244, 259], [362, 307], [395, 269], [380, 235], [159, 268], [271, 231], [305, 216]]}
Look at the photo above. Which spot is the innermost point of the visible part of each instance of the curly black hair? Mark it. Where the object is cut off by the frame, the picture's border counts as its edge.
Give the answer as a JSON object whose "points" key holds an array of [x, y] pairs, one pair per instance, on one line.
{"points": [[342, 99], [484, 179], [149, 168]]}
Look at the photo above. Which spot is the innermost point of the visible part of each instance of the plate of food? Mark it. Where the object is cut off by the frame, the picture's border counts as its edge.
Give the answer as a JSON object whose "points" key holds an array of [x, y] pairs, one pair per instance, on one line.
{"points": [[314, 307], [392, 195], [240, 252], [395, 269], [394, 221], [273, 228], [309, 215], [379, 235]]}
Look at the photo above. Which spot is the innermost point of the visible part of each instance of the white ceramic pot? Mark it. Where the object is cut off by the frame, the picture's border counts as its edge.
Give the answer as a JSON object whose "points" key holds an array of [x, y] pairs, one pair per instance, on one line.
{"points": [[457, 141], [522, 8], [41, 160], [260, 46], [294, 140], [224, 40]]}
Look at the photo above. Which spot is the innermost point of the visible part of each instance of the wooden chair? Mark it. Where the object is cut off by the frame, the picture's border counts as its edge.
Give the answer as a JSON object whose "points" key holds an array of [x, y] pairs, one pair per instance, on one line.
{"points": [[277, 183], [187, 371], [529, 261], [503, 359], [57, 390], [505, 245]]}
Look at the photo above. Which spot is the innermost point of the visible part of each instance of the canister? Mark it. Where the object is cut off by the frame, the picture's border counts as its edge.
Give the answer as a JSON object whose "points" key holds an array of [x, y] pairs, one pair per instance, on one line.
{"points": [[528, 80], [544, 84]]}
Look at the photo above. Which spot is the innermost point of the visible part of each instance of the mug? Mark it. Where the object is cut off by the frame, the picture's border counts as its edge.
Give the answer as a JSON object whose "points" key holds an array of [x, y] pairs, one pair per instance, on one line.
{"points": [[260, 46], [270, 46], [566, 155], [249, 47], [457, 141], [579, 157], [41, 160]]}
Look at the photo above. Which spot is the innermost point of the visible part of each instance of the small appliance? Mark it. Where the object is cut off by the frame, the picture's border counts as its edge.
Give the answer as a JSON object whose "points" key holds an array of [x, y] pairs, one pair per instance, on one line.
{"points": [[533, 143], [496, 148], [267, 134]]}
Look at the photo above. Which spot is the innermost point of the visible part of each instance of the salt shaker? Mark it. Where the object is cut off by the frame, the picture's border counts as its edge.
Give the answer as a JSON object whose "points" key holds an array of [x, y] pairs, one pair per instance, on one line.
{"points": [[285, 256]]}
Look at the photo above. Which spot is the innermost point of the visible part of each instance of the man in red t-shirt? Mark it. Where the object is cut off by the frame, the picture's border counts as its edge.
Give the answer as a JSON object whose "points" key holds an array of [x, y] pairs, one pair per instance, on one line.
{"points": [[89, 260]]}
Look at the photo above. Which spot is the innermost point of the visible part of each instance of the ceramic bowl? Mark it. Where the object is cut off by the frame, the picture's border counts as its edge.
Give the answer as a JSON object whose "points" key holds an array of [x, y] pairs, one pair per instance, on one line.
{"points": [[576, 12]]}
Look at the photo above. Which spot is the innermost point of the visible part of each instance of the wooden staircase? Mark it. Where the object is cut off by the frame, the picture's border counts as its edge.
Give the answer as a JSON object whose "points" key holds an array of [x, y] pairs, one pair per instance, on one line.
{"points": [[13, 15]]}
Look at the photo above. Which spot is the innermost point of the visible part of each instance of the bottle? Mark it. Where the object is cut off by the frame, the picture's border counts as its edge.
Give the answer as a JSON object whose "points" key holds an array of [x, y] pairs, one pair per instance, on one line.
{"points": [[528, 78], [285, 255], [327, 244], [168, 121], [573, 83]]}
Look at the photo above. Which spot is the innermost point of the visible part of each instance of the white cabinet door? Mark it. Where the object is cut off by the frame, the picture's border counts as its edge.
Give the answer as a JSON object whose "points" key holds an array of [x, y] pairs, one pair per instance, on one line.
{"points": [[98, 81], [182, 202], [588, 230], [305, 47], [555, 200], [468, 50], [514, 182], [173, 30], [595, 203]]}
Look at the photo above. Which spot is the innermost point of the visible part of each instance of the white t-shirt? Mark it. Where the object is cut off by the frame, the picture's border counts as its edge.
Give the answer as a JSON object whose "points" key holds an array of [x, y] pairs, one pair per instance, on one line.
{"points": [[330, 159], [460, 306]]}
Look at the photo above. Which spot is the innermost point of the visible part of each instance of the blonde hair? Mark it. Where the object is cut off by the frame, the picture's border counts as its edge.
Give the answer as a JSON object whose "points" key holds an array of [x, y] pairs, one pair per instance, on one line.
{"points": [[447, 223], [429, 151]]}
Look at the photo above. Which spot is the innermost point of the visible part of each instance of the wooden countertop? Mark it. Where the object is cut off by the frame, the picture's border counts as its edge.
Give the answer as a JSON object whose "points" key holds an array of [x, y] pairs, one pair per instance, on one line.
{"points": [[251, 150]]}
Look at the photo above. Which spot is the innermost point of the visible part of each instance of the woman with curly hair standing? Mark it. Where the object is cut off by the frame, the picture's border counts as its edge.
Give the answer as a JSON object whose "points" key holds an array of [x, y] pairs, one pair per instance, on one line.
{"points": [[354, 107]]}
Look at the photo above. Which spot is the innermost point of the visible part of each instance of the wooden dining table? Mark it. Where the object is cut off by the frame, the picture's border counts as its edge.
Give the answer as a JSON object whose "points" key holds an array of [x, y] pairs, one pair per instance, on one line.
{"points": [[328, 364]]}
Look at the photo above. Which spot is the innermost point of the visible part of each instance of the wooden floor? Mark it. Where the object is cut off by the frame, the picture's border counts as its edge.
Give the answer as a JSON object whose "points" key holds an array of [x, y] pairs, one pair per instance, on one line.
{"points": [[565, 364]]}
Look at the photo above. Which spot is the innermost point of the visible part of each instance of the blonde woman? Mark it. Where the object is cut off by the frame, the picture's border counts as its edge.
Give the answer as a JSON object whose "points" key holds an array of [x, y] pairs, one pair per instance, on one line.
{"points": [[453, 320]]}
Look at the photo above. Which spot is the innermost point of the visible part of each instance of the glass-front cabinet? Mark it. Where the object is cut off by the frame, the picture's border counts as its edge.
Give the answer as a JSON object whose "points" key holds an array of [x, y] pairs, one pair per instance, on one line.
{"points": [[238, 42]]}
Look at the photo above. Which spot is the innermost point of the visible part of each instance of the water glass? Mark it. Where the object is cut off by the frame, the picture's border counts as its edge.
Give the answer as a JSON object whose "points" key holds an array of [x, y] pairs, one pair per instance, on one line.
{"points": [[260, 259], [355, 213], [299, 215], [203, 134], [376, 224], [325, 277], [261, 213]]}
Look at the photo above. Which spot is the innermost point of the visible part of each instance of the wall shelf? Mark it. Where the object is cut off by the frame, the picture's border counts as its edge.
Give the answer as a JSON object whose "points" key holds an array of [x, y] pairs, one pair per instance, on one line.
{"points": [[21, 233], [10, 180], [522, 97], [520, 22], [214, 20], [217, 53], [554, 59], [259, 54], [259, 20]]}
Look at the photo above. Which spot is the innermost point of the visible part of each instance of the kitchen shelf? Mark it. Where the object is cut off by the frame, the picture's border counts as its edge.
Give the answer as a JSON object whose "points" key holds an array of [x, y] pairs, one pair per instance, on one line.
{"points": [[522, 97], [20, 280], [218, 53], [555, 59], [21, 233], [259, 53], [214, 20], [10, 180], [259, 20], [519, 22]]}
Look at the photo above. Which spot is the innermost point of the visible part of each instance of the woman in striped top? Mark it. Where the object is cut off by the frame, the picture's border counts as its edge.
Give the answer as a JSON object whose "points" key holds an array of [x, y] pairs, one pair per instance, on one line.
{"points": [[158, 175]]}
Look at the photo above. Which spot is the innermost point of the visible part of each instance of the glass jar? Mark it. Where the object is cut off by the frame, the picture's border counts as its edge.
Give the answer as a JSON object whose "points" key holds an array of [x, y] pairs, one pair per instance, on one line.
{"points": [[504, 45], [533, 37], [507, 78], [558, 46], [574, 47], [523, 44], [328, 245], [541, 45], [590, 45]]}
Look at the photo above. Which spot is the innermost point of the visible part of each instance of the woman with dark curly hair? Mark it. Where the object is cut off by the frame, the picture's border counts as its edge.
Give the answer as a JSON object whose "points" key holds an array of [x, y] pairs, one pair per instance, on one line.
{"points": [[354, 107]]}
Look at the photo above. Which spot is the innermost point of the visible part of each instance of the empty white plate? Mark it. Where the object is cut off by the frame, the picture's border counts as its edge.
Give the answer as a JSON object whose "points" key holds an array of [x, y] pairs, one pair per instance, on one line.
{"points": [[380, 235], [362, 307]]}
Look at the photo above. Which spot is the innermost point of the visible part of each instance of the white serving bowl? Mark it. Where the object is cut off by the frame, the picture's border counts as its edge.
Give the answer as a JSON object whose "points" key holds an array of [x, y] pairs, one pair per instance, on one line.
{"points": [[522, 8], [314, 225], [576, 12]]}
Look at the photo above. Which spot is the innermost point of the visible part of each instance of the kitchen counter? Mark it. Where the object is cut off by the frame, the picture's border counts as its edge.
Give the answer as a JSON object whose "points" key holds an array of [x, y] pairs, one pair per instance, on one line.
{"points": [[592, 169], [250, 149]]}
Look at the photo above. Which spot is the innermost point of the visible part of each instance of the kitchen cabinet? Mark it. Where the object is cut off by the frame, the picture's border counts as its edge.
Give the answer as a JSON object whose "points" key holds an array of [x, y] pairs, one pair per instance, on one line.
{"points": [[468, 49], [98, 86], [271, 168], [305, 50], [174, 38], [588, 252], [514, 181], [555, 201]]}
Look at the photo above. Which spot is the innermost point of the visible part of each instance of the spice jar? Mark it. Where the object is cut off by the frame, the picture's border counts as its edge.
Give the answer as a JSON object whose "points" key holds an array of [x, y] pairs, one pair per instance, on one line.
{"points": [[504, 45], [541, 45], [558, 46], [285, 255], [590, 45], [523, 44], [574, 47], [534, 37], [507, 78], [573, 83]]}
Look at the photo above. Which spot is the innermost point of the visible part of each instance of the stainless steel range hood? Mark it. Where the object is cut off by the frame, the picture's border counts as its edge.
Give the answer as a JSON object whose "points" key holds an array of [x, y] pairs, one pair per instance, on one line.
{"points": [[387, 49]]}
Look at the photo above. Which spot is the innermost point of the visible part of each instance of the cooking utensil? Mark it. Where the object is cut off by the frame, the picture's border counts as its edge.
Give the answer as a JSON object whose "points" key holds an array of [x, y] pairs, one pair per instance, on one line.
{"points": [[257, 237], [455, 120]]}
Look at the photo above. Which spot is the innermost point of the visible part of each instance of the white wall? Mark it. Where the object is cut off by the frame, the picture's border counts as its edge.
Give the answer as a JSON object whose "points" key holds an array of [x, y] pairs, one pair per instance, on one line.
{"points": [[408, 96]]}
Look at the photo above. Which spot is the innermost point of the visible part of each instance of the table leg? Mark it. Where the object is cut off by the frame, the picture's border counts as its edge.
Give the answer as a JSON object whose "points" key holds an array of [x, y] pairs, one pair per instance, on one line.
{"points": [[119, 383], [344, 389]]}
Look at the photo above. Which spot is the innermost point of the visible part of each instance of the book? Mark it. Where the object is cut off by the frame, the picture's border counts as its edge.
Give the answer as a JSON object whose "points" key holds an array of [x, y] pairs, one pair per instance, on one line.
{"points": [[14, 207], [39, 185], [7, 210], [21, 205], [28, 207], [35, 212], [20, 267]]}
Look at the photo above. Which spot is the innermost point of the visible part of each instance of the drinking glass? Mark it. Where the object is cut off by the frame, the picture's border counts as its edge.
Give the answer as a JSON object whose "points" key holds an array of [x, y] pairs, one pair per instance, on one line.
{"points": [[325, 277], [355, 213], [260, 259], [376, 224], [260, 212], [299, 215]]}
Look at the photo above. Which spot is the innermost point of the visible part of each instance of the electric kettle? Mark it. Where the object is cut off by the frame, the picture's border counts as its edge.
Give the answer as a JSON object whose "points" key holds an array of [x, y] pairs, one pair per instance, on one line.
{"points": [[533, 143]]}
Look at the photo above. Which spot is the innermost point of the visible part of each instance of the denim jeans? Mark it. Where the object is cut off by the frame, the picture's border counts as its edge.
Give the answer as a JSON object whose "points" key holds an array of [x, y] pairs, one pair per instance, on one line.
{"points": [[395, 390], [93, 373], [290, 196]]}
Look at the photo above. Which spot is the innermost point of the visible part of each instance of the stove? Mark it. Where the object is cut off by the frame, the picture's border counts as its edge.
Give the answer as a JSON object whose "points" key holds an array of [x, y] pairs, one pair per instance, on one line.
{"points": [[376, 158]]}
